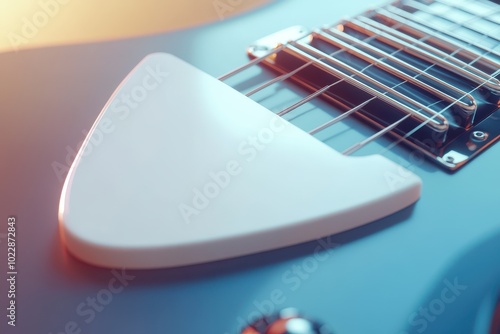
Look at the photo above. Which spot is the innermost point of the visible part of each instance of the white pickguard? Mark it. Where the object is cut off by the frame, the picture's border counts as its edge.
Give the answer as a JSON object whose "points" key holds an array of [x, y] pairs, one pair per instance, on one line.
{"points": [[181, 169]]}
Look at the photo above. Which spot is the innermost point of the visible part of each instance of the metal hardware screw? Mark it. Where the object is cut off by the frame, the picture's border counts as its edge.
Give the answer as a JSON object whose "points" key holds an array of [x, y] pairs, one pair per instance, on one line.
{"points": [[479, 135]]}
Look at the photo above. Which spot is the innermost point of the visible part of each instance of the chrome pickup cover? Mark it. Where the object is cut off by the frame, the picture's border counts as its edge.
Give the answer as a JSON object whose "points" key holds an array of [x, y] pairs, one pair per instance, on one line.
{"points": [[434, 63]]}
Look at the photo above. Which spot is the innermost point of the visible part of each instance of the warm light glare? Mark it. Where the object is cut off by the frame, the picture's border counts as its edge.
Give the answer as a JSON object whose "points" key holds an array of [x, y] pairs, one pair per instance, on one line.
{"points": [[34, 23]]}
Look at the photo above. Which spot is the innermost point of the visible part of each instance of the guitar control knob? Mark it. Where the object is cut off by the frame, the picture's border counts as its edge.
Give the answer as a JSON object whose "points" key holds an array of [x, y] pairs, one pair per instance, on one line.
{"points": [[287, 321]]}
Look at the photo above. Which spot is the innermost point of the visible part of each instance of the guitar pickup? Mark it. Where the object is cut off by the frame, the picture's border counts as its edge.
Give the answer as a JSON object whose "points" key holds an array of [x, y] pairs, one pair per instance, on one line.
{"points": [[397, 65]]}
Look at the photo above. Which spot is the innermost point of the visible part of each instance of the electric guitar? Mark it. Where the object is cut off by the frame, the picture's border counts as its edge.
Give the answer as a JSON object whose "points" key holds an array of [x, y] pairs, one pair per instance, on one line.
{"points": [[294, 179]]}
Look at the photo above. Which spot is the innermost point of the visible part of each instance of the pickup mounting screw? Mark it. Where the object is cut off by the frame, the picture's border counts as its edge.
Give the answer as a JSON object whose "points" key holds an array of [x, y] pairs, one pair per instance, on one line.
{"points": [[479, 135]]}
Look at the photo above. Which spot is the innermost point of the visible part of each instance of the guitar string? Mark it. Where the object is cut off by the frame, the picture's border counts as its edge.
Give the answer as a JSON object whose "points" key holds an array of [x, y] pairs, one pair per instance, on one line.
{"points": [[422, 7], [425, 9], [408, 22], [455, 25], [372, 90], [389, 128], [279, 78], [425, 70], [385, 130], [480, 56], [258, 60], [340, 117], [295, 71], [298, 69], [319, 92], [325, 88], [322, 90], [407, 135], [467, 10], [426, 49], [308, 98], [346, 40], [251, 63], [434, 32]]}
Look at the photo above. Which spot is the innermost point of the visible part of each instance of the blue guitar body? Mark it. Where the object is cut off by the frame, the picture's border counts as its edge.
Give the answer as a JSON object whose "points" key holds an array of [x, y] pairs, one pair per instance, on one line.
{"points": [[431, 268]]}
